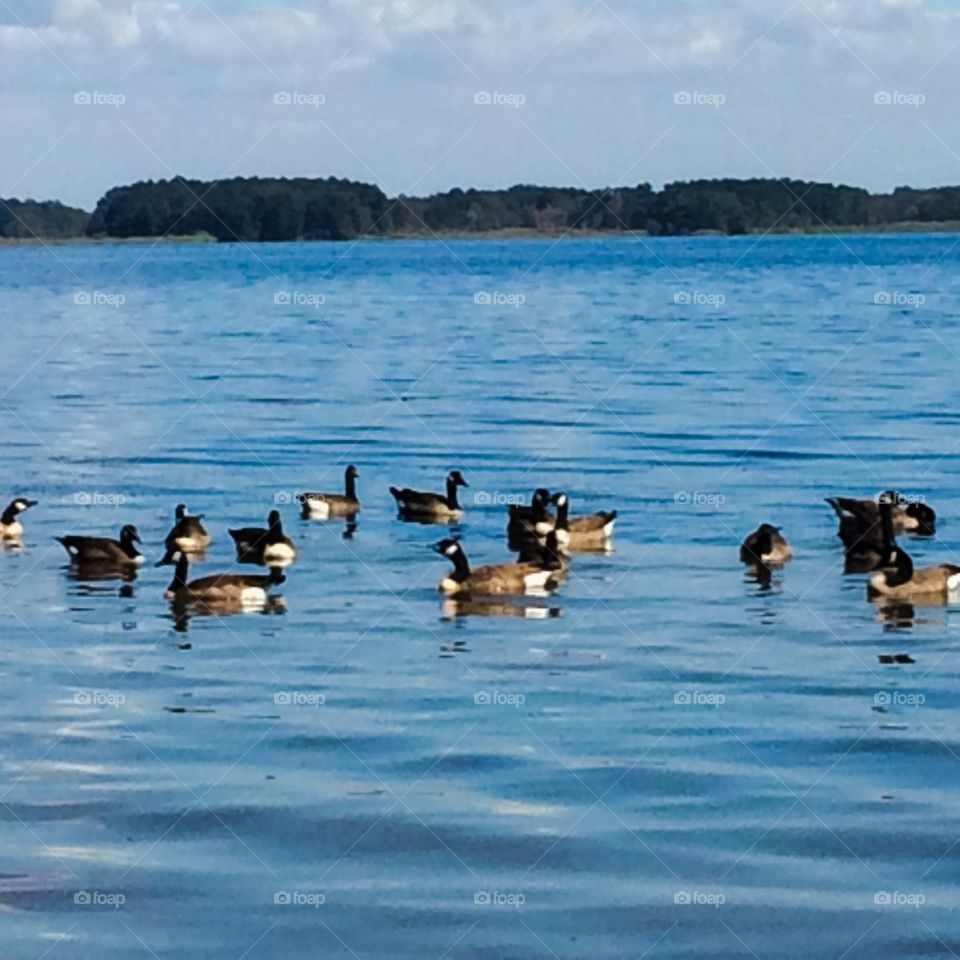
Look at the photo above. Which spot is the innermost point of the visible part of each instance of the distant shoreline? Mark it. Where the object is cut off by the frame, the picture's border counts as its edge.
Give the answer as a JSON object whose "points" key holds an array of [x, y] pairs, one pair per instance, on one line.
{"points": [[513, 233]]}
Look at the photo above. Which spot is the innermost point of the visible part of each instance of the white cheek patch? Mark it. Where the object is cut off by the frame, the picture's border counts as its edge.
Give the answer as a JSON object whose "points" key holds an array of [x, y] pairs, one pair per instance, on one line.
{"points": [[452, 550]]}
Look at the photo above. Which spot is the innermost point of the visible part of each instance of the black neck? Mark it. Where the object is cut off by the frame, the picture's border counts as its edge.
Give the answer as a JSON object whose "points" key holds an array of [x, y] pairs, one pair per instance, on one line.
{"points": [[461, 567], [180, 574], [9, 515], [563, 510], [452, 494], [351, 487], [902, 572], [275, 533], [886, 520], [129, 547]]}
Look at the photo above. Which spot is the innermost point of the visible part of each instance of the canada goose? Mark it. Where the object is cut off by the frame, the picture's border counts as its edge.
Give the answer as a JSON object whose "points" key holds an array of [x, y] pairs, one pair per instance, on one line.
{"points": [[898, 579], [534, 518], [589, 532], [547, 553], [865, 548], [495, 578], [104, 552], [188, 533], [415, 505], [860, 519], [10, 527], [896, 576], [268, 546], [323, 505], [766, 546], [220, 589]]}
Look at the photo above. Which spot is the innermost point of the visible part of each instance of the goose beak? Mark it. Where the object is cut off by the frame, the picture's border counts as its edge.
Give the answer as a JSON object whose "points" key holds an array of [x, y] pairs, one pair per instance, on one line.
{"points": [[31, 503]]}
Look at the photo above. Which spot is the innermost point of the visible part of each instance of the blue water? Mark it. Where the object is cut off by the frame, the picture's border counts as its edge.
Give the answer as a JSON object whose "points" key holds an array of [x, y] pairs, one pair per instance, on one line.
{"points": [[680, 763]]}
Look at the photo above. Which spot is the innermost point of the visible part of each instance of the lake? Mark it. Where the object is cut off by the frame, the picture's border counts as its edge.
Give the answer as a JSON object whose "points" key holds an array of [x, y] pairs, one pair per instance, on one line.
{"points": [[664, 759]]}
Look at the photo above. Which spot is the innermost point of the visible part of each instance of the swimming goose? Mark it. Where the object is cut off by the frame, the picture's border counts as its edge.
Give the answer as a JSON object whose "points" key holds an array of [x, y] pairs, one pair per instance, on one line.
{"points": [[188, 533], [413, 504], [860, 519], [588, 532], [766, 546], [898, 579], [866, 548], [220, 589], [494, 578], [103, 551], [534, 518], [323, 505], [10, 527], [266, 546]]}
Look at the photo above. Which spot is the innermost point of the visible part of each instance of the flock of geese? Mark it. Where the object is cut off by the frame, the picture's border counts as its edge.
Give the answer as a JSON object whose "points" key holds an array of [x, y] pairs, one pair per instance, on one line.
{"points": [[542, 534], [868, 530], [542, 538]]}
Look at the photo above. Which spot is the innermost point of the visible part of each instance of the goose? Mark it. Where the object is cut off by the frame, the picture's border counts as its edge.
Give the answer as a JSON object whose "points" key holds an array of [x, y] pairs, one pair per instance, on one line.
{"points": [[494, 578], [766, 546], [861, 518], [534, 518], [324, 505], [103, 551], [896, 576], [188, 533], [866, 548], [266, 546], [220, 589], [588, 532], [431, 507], [10, 527]]}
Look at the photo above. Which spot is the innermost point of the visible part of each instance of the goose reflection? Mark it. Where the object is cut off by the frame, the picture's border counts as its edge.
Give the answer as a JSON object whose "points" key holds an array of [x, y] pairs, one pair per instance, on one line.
{"points": [[453, 608], [762, 575], [182, 612]]}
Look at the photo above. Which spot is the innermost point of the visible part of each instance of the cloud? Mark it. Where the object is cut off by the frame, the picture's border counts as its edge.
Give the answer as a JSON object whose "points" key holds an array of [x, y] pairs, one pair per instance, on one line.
{"points": [[398, 79]]}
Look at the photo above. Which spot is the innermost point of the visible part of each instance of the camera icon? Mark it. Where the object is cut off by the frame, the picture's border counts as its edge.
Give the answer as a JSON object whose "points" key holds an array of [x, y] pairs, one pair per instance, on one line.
{"points": [[881, 699], [882, 298], [81, 897], [81, 298], [282, 497], [82, 698], [683, 98], [481, 498], [482, 98], [281, 898], [282, 98], [882, 898], [482, 698], [681, 897], [282, 298], [681, 298], [282, 698], [681, 497], [882, 98], [83, 98], [481, 898], [482, 298], [682, 698], [82, 498]]}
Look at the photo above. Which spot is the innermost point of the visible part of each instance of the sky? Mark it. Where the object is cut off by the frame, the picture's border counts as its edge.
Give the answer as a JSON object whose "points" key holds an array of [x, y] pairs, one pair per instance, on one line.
{"points": [[420, 96]]}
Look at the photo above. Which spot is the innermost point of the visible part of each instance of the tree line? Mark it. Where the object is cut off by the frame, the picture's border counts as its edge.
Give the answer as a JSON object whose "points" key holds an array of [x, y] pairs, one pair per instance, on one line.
{"points": [[263, 209]]}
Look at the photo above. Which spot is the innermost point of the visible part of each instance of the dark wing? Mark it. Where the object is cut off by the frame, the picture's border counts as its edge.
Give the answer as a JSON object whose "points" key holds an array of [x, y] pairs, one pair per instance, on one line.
{"points": [[593, 522], [863, 511], [249, 537], [417, 498]]}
